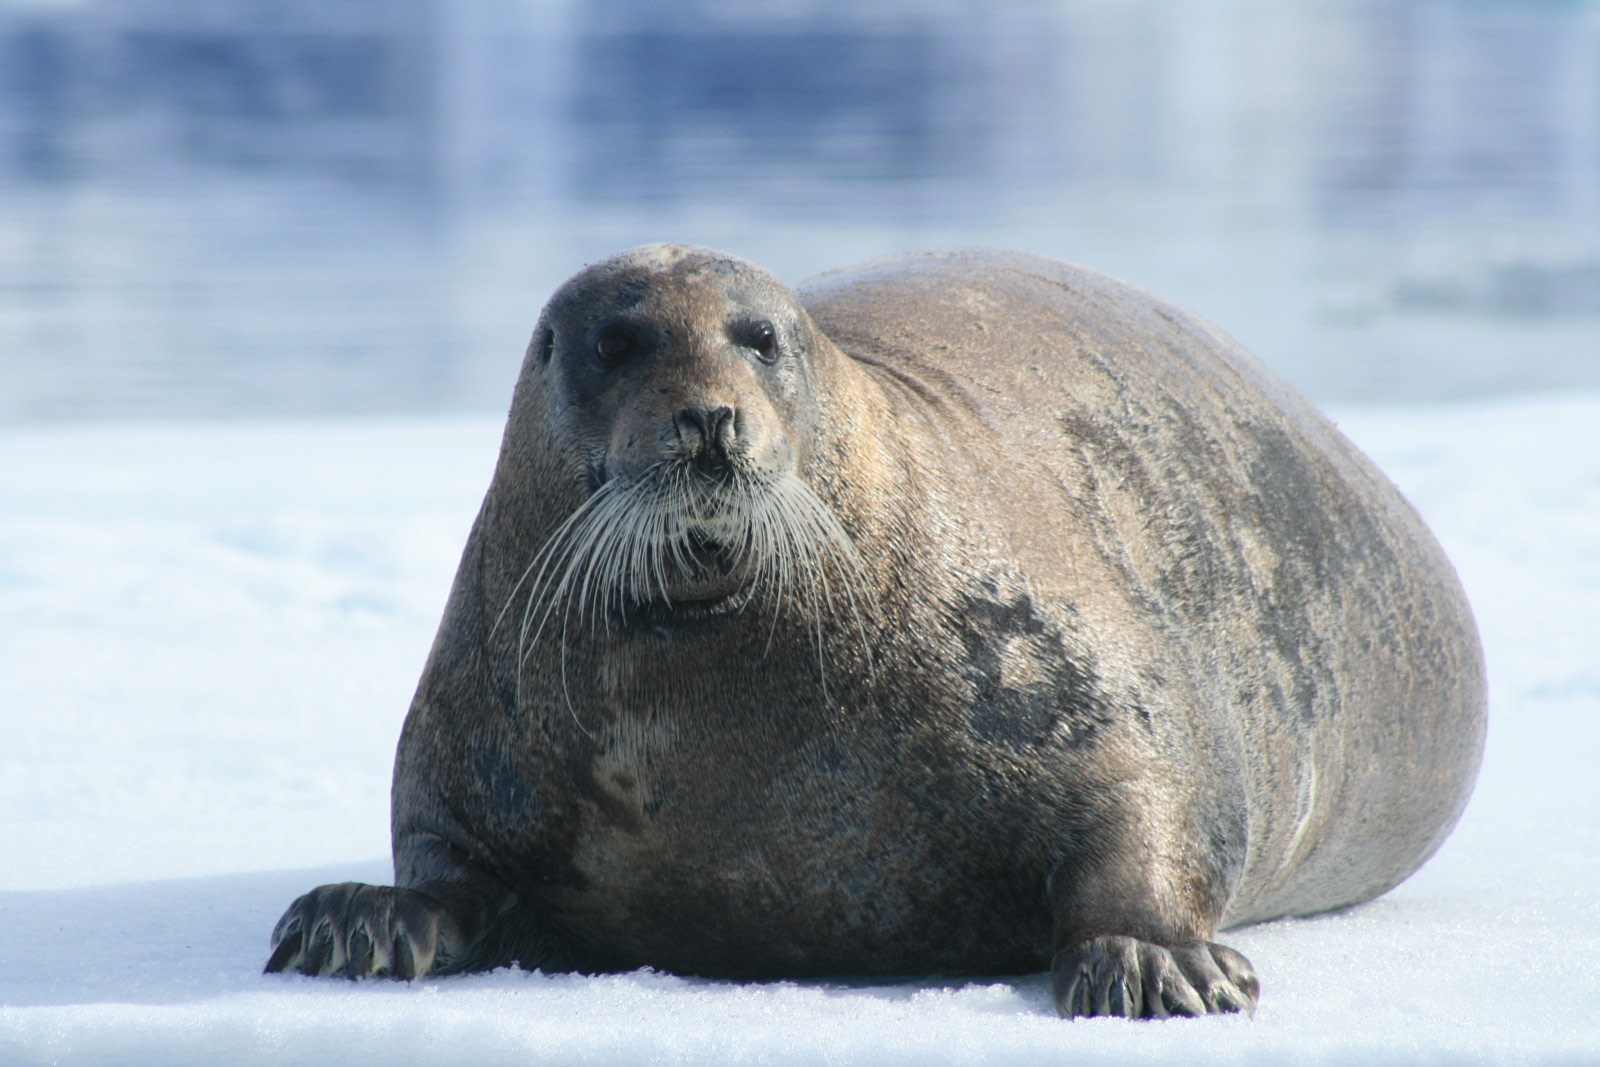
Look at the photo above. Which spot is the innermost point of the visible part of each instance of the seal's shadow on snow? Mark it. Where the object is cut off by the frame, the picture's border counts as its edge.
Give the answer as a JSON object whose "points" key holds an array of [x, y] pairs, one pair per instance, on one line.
{"points": [[193, 939]]}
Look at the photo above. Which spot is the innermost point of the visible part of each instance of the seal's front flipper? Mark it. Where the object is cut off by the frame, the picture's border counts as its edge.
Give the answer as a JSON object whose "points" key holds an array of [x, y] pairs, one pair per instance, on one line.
{"points": [[352, 930], [1138, 980]]}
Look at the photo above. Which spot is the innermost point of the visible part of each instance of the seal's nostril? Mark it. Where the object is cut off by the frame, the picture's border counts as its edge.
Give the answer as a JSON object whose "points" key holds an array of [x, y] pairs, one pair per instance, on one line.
{"points": [[720, 427], [706, 430], [691, 423]]}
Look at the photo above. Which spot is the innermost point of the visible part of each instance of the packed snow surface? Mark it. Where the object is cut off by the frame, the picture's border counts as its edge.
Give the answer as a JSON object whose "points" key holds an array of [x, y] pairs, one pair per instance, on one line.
{"points": [[209, 635]]}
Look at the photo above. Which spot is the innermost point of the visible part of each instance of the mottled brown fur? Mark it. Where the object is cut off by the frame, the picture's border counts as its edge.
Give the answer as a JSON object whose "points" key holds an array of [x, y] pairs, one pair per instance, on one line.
{"points": [[1133, 646]]}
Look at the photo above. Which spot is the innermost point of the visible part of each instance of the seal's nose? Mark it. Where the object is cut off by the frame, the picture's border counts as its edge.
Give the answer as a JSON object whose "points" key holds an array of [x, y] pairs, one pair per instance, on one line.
{"points": [[706, 433]]}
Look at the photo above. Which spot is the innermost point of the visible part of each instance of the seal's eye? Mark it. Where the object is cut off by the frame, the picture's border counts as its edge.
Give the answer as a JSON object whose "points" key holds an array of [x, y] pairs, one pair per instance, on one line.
{"points": [[614, 344], [764, 339]]}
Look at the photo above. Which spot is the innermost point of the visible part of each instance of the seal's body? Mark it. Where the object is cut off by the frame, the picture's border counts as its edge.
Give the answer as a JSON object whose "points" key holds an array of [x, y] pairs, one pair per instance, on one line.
{"points": [[967, 613]]}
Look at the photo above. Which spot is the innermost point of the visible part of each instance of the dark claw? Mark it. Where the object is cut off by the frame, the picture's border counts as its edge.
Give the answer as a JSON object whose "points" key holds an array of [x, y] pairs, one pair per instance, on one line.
{"points": [[1228, 998], [1083, 1004], [1239, 970], [319, 950], [1118, 1001], [1180, 998], [405, 962], [290, 944], [360, 962], [1070, 977]]}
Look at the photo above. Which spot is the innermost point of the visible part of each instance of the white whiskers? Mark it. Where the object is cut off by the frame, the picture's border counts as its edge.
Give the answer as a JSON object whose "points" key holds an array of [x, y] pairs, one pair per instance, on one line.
{"points": [[630, 544]]}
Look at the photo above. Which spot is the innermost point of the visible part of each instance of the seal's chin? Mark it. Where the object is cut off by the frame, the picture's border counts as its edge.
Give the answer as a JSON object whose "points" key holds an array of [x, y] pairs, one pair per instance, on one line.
{"points": [[703, 580]]}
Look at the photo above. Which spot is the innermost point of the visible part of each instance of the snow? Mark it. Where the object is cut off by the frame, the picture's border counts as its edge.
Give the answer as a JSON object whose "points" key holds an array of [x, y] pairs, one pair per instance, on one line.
{"points": [[209, 634]]}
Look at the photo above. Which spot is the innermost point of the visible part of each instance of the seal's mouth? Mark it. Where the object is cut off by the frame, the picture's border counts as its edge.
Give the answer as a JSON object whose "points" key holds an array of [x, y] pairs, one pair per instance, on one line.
{"points": [[710, 589], [702, 576], [659, 615]]}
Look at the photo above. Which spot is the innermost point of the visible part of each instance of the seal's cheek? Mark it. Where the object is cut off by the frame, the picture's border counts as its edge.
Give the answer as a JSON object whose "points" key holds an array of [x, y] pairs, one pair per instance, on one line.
{"points": [[766, 440], [640, 433]]}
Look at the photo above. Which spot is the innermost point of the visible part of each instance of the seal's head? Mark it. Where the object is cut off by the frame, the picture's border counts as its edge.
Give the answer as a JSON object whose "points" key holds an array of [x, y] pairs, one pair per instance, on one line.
{"points": [[673, 391]]}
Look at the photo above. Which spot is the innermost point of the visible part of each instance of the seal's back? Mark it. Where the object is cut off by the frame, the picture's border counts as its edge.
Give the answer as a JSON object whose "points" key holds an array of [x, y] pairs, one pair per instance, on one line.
{"points": [[1317, 608]]}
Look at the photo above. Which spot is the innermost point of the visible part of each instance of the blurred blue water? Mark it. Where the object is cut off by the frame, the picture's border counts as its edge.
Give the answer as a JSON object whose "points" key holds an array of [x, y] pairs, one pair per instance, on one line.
{"points": [[268, 207]]}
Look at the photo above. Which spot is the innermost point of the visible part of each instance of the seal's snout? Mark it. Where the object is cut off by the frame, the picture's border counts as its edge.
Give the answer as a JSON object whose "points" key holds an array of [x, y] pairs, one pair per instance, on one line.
{"points": [[707, 434]]}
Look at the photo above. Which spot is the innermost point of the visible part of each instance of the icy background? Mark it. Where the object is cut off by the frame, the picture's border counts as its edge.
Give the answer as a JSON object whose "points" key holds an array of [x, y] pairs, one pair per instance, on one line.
{"points": [[267, 268], [293, 207]]}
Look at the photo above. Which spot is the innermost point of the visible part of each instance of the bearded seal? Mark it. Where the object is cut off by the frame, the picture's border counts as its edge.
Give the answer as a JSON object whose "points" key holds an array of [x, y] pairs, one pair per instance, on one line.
{"points": [[967, 613]]}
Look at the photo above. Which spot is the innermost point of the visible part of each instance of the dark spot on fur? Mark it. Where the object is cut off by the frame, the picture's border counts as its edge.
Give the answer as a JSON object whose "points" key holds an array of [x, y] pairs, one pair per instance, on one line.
{"points": [[1296, 509], [503, 782], [1024, 685]]}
